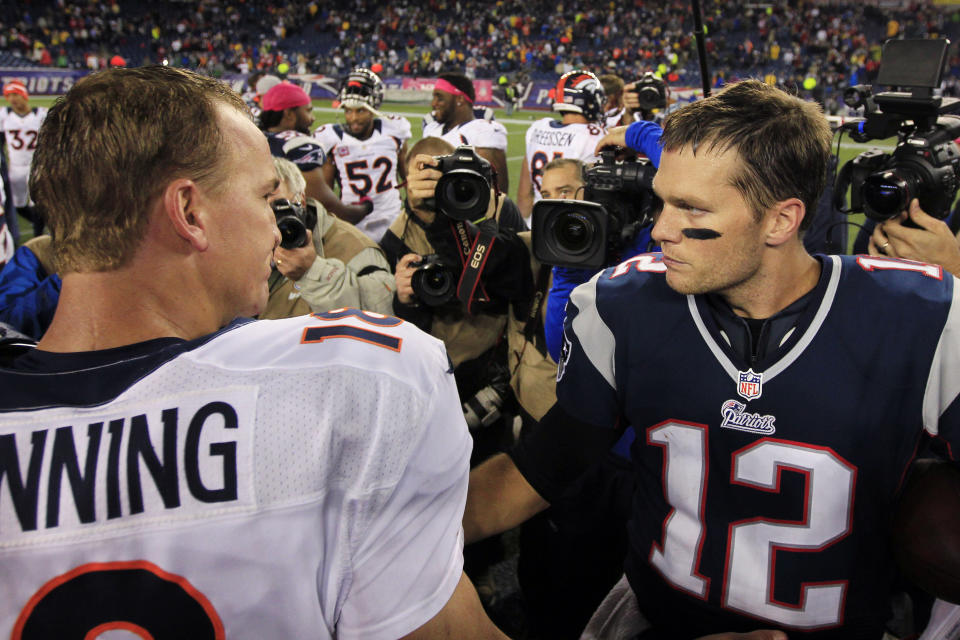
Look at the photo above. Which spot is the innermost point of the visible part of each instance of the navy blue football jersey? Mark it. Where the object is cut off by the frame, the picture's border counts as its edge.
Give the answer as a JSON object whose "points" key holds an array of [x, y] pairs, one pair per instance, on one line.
{"points": [[764, 493], [301, 149]]}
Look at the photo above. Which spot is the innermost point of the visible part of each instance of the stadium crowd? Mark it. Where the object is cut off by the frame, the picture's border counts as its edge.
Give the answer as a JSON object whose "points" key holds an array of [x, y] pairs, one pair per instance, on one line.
{"points": [[834, 43]]}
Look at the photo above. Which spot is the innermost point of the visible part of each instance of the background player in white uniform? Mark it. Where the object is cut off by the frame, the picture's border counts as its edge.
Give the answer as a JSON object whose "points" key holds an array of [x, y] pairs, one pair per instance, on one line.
{"points": [[454, 120], [367, 154], [20, 124], [194, 477], [580, 100]]}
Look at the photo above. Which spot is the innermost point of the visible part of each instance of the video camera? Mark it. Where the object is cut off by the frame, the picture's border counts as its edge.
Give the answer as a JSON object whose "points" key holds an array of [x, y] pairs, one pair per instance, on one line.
{"points": [[926, 161], [293, 220], [463, 191], [591, 233], [651, 92]]}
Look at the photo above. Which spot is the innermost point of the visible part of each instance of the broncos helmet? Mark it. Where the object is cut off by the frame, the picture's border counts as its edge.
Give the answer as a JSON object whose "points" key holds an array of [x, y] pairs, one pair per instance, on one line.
{"points": [[362, 88], [580, 91]]}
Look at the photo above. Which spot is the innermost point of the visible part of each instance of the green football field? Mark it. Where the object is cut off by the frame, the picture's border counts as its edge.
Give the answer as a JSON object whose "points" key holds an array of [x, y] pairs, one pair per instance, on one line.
{"points": [[516, 125]]}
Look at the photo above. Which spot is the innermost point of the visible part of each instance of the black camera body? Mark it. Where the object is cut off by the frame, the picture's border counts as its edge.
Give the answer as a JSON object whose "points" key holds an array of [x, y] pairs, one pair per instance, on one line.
{"points": [[293, 220], [434, 282], [651, 92], [463, 191], [591, 233], [926, 161]]}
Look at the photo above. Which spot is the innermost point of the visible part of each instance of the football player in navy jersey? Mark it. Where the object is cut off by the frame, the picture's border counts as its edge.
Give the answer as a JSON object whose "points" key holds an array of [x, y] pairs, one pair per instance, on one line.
{"points": [[286, 119], [779, 398]]}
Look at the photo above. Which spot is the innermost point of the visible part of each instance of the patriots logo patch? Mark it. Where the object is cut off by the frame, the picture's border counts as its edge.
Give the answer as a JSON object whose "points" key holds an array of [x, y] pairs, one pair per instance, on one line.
{"points": [[736, 416], [314, 156]]}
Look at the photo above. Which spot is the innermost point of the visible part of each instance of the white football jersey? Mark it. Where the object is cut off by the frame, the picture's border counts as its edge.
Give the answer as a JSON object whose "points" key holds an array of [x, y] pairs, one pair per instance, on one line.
{"points": [[368, 168], [480, 133], [297, 478], [548, 138], [613, 117], [21, 133]]}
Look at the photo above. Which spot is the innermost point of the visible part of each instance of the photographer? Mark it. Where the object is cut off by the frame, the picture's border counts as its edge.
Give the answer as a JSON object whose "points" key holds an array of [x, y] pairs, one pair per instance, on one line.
{"points": [[642, 136], [419, 232], [472, 330], [336, 266]]}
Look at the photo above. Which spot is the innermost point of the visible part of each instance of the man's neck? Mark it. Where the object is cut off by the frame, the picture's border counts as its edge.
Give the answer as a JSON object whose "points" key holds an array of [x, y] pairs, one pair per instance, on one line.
{"points": [[573, 118], [775, 286], [22, 112], [104, 310], [458, 119]]}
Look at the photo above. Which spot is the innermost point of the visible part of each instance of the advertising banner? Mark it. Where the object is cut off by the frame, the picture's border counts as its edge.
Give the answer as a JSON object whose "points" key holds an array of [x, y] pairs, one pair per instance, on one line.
{"points": [[52, 82]]}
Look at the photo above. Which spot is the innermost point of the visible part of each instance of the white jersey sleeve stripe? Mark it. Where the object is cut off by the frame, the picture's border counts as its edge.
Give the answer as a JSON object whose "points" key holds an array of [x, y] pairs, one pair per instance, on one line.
{"points": [[596, 339], [943, 383]]}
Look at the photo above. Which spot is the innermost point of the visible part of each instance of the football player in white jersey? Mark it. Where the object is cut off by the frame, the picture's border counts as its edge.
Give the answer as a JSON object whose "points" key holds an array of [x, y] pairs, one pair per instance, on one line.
{"points": [[175, 473], [454, 120], [366, 154], [580, 100], [20, 124]]}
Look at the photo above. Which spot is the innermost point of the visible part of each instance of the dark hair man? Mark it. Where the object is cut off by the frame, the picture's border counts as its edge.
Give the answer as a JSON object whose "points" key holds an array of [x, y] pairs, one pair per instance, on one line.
{"points": [[746, 366], [286, 119], [165, 449], [367, 154], [454, 119]]}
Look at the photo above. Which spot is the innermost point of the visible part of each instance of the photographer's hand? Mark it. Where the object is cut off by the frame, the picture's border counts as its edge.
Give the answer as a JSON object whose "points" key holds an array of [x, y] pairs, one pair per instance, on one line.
{"points": [[421, 184], [293, 263], [616, 137], [930, 241], [403, 276], [631, 99]]}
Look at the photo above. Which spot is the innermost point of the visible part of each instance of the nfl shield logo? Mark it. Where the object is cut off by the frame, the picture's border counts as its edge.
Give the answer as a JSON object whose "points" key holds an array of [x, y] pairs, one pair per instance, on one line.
{"points": [[750, 385]]}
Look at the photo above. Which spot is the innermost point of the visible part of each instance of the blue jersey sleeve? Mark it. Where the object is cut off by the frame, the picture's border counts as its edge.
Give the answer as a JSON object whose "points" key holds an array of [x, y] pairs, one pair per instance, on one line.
{"points": [[644, 136], [28, 296]]}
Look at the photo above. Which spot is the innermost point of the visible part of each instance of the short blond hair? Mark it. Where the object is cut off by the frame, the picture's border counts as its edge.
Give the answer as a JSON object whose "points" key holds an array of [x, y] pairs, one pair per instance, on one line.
{"points": [[109, 147]]}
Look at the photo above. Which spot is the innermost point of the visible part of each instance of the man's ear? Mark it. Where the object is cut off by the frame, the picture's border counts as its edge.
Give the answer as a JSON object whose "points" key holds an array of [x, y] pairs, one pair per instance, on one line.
{"points": [[182, 206], [784, 221]]}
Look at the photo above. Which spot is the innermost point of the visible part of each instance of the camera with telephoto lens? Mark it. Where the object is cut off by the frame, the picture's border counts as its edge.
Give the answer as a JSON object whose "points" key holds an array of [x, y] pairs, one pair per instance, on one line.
{"points": [[651, 92], [293, 220], [463, 191], [434, 283], [591, 233], [925, 164]]}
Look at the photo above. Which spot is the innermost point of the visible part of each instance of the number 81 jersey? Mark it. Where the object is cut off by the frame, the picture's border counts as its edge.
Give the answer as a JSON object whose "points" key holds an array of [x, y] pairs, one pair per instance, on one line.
{"points": [[548, 138], [764, 492], [368, 168]]}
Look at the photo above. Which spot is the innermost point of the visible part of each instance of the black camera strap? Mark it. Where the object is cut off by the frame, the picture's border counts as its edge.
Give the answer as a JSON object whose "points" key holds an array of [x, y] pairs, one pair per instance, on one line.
{"points": [[474, 261], [533, 313]]}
